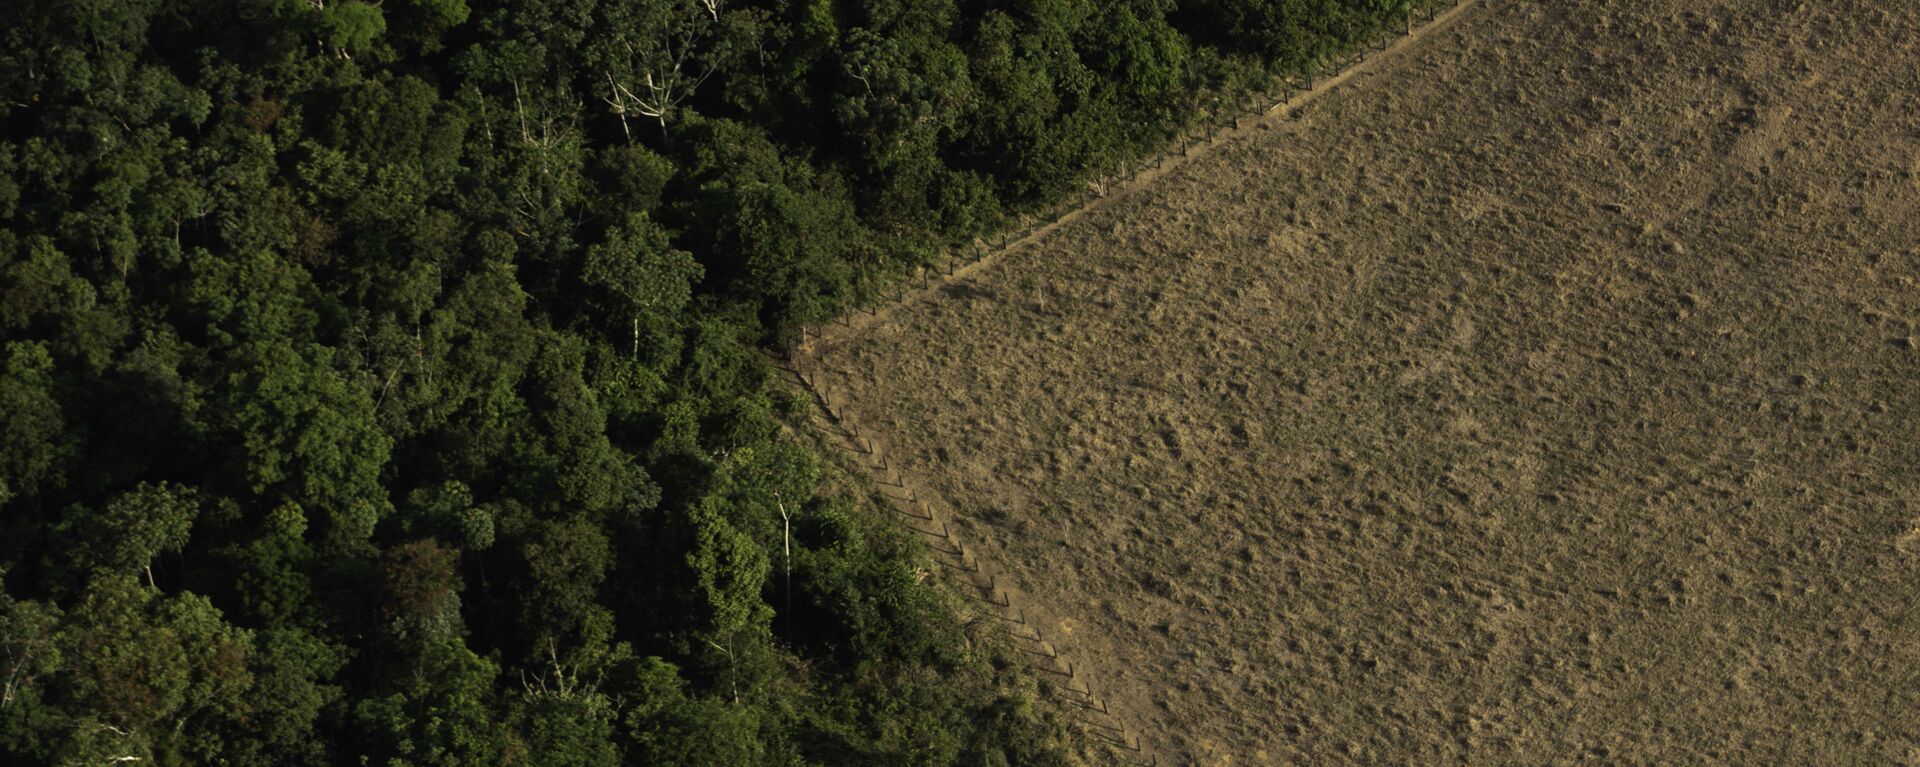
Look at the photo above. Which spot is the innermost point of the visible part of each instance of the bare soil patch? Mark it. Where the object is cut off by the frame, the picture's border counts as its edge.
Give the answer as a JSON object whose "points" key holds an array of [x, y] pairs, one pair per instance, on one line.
{"points": [[1545, 395]]}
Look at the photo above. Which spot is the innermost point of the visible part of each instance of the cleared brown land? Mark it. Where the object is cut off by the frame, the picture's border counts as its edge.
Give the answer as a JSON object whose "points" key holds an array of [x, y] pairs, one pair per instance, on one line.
{"points": [[1549, 394]]}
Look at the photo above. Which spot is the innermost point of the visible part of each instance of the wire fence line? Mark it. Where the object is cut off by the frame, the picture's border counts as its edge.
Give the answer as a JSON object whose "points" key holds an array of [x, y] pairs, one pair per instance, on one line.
{"points": [[1281, 94], [926, 519]]}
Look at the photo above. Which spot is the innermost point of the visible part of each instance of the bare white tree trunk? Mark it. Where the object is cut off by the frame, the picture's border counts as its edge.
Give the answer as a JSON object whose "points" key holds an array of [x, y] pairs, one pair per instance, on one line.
{"points": [[664, 71]]}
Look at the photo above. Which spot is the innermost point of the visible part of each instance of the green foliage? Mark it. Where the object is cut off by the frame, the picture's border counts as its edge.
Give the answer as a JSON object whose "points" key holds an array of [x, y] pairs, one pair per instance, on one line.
{"points": [[565, 731], [771, 228], [444, 13], [671, 729], [290, 695], [439, 716], [31, 418], [351, 26], [307, 432], [730, 571], [128, 673], [378, 380], [1291, 33], [273, 585], [641, 276], [133, 529]]}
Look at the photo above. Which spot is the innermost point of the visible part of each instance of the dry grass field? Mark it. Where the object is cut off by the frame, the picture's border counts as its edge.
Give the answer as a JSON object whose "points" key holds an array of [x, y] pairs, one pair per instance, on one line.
{"points": [[1547, 394]]}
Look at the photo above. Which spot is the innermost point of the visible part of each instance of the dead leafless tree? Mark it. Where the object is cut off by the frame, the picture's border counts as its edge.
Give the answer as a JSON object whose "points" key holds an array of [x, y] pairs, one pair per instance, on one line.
{"points": [[663, 71]]}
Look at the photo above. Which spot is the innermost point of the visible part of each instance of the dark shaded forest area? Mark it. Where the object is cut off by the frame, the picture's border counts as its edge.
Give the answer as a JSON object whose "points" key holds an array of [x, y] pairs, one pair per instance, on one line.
{"points": [[379, 380]]}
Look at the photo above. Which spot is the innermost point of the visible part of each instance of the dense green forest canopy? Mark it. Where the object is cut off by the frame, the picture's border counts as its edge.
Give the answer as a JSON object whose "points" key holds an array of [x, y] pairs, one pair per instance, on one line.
{"points": [[378, 385]]}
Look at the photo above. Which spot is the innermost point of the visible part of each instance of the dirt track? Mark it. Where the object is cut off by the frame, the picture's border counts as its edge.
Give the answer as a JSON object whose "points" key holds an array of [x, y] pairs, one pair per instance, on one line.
{"points": [[1546, 395]]}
